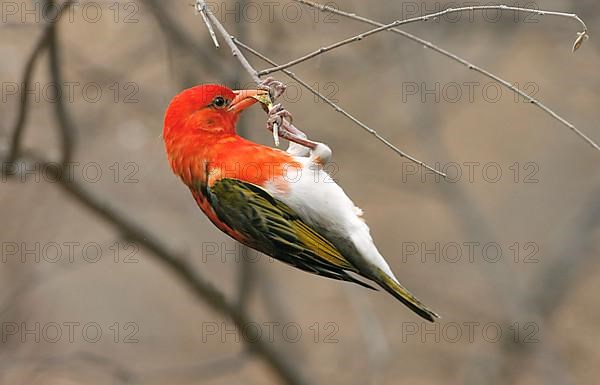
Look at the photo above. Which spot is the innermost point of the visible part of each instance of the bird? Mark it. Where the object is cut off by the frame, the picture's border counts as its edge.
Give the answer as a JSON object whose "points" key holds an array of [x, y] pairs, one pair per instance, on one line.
{"points": [[280, 203]]}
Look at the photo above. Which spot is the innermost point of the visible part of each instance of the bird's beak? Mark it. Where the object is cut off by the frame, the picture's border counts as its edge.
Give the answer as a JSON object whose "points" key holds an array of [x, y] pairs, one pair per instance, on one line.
{"points": [[245, 98]]}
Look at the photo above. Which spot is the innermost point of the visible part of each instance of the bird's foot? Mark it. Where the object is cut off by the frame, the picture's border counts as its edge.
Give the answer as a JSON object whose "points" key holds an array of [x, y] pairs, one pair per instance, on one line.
{"points": [[275, 87], [276, 122], [276, 115], [279, 122]]}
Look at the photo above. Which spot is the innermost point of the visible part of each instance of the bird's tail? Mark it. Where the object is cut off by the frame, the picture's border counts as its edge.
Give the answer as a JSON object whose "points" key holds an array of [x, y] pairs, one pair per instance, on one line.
{"points": [[397, 290]]}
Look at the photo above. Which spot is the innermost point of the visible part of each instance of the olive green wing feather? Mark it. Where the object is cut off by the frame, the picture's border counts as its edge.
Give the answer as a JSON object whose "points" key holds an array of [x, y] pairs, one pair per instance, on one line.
{"points": [[272, 227]]}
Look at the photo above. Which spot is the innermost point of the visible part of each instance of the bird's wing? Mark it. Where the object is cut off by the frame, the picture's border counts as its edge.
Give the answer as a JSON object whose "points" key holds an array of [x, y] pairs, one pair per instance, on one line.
{"points": [[273, 228]]}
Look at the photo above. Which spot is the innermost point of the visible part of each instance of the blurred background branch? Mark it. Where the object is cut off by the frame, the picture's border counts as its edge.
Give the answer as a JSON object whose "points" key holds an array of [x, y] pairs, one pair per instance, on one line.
{"points": [[347, 335]]}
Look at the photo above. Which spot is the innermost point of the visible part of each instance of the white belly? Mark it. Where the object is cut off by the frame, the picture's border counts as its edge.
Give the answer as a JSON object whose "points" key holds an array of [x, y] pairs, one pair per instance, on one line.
{"points": [[320, 202]]}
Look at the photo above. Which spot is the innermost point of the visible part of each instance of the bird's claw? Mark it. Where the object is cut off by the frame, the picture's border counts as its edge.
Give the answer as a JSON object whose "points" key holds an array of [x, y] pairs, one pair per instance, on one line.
{"points": [[277, 113], [276, 116], [279, 120], [275, 87], [275, 122]]}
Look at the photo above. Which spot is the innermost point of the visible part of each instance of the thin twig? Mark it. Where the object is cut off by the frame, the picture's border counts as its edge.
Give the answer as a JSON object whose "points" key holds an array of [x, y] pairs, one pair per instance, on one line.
{"points": [[427, 17], [341, 110], [42, 43], [471, 66], [235, 51], [201, 8]]}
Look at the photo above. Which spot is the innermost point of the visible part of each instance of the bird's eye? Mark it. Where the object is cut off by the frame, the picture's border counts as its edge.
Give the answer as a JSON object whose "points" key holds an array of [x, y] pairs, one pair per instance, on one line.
{"points": [[219, 102]]}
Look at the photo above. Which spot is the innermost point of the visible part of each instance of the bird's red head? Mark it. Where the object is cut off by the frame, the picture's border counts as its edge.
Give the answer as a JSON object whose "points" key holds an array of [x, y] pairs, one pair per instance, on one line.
{"points": [[206, 110]]}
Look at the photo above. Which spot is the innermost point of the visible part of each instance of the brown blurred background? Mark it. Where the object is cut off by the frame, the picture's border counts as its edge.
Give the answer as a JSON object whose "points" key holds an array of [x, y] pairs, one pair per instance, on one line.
{"points": [[505, 249]]}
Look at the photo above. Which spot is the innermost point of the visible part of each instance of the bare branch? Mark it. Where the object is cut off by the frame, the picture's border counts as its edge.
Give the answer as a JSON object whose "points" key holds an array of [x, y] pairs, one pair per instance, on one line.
{"points": [[341, 110], [235, 51], [471, 66], [398, 23], [42, 43], [201, 8]]}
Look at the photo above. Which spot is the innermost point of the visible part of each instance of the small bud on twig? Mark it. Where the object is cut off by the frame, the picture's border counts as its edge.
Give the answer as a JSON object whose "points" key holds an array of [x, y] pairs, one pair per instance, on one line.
{"points": [[581, 36]]}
